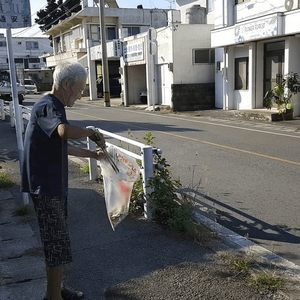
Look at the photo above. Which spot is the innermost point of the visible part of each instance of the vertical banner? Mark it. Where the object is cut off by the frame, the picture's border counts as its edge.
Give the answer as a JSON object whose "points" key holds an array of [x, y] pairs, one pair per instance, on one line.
{"points": [[15, 13]]}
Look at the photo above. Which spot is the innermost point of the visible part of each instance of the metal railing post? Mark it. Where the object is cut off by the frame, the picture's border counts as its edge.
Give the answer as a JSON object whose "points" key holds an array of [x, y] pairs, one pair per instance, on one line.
{"points": [[92, 162], [11, 114], [21, 118], [147, 172], [2, 110]]}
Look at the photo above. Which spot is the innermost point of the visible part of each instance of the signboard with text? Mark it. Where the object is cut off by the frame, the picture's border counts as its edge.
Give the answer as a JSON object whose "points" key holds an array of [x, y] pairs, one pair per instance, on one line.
{"points": [[133, 51], [258, 29], [15, 13]]}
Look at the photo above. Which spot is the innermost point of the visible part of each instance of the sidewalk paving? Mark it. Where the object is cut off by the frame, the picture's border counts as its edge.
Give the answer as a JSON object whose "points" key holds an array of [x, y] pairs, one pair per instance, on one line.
{"points": [[140, 260]]}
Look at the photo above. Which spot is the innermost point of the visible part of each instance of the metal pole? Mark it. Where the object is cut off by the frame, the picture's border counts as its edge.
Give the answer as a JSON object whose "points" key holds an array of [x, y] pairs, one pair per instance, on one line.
{"points": [[2, 110], [105, 72], [13, 82], [147, 171], [92, 162]]}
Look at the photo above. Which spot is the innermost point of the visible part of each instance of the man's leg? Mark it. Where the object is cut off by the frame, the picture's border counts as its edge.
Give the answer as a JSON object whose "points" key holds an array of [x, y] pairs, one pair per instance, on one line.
{"points": [[52, 215], [54, 282]]}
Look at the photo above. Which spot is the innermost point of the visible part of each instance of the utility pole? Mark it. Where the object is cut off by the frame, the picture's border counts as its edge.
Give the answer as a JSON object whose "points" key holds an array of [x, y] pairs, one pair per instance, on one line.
{"points": [[171, 3], [105, 71]]}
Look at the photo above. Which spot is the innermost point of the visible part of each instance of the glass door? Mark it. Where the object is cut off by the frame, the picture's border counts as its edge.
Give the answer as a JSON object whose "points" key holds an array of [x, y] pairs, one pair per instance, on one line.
{"points": [[273, 65]]}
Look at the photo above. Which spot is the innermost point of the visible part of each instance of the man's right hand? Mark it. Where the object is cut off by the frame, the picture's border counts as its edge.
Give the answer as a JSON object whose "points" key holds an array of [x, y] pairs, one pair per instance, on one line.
{"points": [[98, 138]]}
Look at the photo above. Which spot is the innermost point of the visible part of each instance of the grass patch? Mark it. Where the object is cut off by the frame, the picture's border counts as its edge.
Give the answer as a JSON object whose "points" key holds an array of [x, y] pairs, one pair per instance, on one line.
{"points": [[239, 263], [22, 211], [266, 280], [260, 278], [5, 181], [86, 169]]}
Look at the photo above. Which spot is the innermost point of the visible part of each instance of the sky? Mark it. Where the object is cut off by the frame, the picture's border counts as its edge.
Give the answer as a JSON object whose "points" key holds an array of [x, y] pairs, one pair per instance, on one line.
{"points": [[36, 5]]}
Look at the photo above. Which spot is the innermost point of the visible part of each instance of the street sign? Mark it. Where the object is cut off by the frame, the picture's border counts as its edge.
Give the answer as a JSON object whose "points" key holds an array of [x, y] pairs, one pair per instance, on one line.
{"points": [[15, 14], [153, 48], [152, 34]]}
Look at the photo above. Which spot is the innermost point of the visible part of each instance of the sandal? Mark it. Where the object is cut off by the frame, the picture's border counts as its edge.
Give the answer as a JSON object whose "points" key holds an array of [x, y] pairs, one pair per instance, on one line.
{"points": [[68, 294]]}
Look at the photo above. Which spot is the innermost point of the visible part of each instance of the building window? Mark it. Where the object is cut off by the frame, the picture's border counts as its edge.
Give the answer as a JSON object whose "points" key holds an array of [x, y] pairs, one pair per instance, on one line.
{"points": [[57, 45], [34, 60], [204, 56], [2, 43], [241, 1], [241, 73], [32, 45], [111, 33], [18, 60], [210, 5], [130, 30]]}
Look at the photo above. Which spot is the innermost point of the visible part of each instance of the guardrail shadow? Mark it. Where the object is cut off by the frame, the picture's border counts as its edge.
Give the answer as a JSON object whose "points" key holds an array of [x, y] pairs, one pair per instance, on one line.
{"points": [[245, 224]]}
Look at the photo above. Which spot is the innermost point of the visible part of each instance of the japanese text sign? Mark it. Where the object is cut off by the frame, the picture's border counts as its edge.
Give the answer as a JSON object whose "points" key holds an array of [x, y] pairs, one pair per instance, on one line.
{"points": [[15, 13]]}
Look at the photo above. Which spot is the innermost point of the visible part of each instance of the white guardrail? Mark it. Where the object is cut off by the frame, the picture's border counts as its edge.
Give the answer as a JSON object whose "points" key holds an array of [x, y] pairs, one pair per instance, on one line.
{"points": [[145, 152], [7, 110]]}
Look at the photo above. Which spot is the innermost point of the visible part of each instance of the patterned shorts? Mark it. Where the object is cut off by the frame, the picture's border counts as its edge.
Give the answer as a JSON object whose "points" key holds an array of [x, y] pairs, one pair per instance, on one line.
{"points": [[52, 218]]}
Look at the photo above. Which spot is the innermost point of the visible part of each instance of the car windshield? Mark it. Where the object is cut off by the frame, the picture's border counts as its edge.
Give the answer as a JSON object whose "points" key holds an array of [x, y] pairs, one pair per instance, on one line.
{"points": [[28, 81]]}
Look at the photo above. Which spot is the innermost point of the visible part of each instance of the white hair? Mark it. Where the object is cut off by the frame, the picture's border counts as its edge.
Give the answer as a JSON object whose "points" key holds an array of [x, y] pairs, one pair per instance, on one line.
{"points": [[72, 71]]}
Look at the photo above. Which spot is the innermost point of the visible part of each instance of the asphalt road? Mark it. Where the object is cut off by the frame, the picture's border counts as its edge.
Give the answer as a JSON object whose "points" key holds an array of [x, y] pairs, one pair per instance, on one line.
{"points": [[249, 171]]}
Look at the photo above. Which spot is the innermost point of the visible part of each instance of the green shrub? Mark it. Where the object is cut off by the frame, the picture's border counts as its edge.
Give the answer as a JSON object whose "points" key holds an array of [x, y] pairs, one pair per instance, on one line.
{"points": [[22, 211], [86, 169], [166, 204], [5, 181]]}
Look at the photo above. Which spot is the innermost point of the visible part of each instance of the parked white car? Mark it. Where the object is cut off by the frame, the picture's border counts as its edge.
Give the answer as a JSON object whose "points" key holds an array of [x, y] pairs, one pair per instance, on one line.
{"points": [[6, 91], [30, 86]]}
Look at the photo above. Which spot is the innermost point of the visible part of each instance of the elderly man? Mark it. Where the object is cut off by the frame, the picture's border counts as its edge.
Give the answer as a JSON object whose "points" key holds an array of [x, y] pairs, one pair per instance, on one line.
{"points": [[45, 169]]}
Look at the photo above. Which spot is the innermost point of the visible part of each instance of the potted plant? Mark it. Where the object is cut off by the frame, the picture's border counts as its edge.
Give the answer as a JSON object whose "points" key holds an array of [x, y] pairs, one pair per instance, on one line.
{"points": [[282, 95]]}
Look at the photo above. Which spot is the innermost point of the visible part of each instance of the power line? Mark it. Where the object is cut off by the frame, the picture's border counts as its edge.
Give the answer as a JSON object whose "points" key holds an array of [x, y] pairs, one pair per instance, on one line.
{"points": [[37, 23]]}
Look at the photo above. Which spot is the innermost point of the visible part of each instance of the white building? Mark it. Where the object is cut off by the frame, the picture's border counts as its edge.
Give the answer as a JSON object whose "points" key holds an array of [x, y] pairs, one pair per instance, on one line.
{"points": [[77, 38], [27, 53], [174, 64], [256, 42], [181, 71]]}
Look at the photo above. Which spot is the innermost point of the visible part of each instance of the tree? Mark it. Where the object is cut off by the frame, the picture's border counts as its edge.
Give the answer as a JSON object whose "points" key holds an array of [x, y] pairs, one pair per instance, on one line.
{"points": [[55, 11]]}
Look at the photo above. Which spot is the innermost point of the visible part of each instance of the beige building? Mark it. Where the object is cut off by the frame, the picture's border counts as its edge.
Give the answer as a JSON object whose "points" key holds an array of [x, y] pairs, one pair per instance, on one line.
{"points": [[78, 37]]}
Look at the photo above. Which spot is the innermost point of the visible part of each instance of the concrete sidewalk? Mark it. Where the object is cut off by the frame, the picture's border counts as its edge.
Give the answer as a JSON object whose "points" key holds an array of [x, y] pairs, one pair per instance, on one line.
{"points": [[104, 259], [248, 115]]}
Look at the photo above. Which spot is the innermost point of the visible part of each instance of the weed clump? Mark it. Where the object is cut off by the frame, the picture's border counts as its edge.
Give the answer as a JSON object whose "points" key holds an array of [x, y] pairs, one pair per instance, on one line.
{"points": [[266, 280], [86, 169], [262, 280], [22, 211], [5, 181], [167, 206]]}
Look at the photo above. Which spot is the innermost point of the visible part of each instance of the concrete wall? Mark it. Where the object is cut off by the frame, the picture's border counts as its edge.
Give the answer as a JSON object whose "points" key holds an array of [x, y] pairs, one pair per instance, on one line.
{"points": [[232, 13], [253, 9], [174, 64], [193, 97], [186, 38], [219, 57]]}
